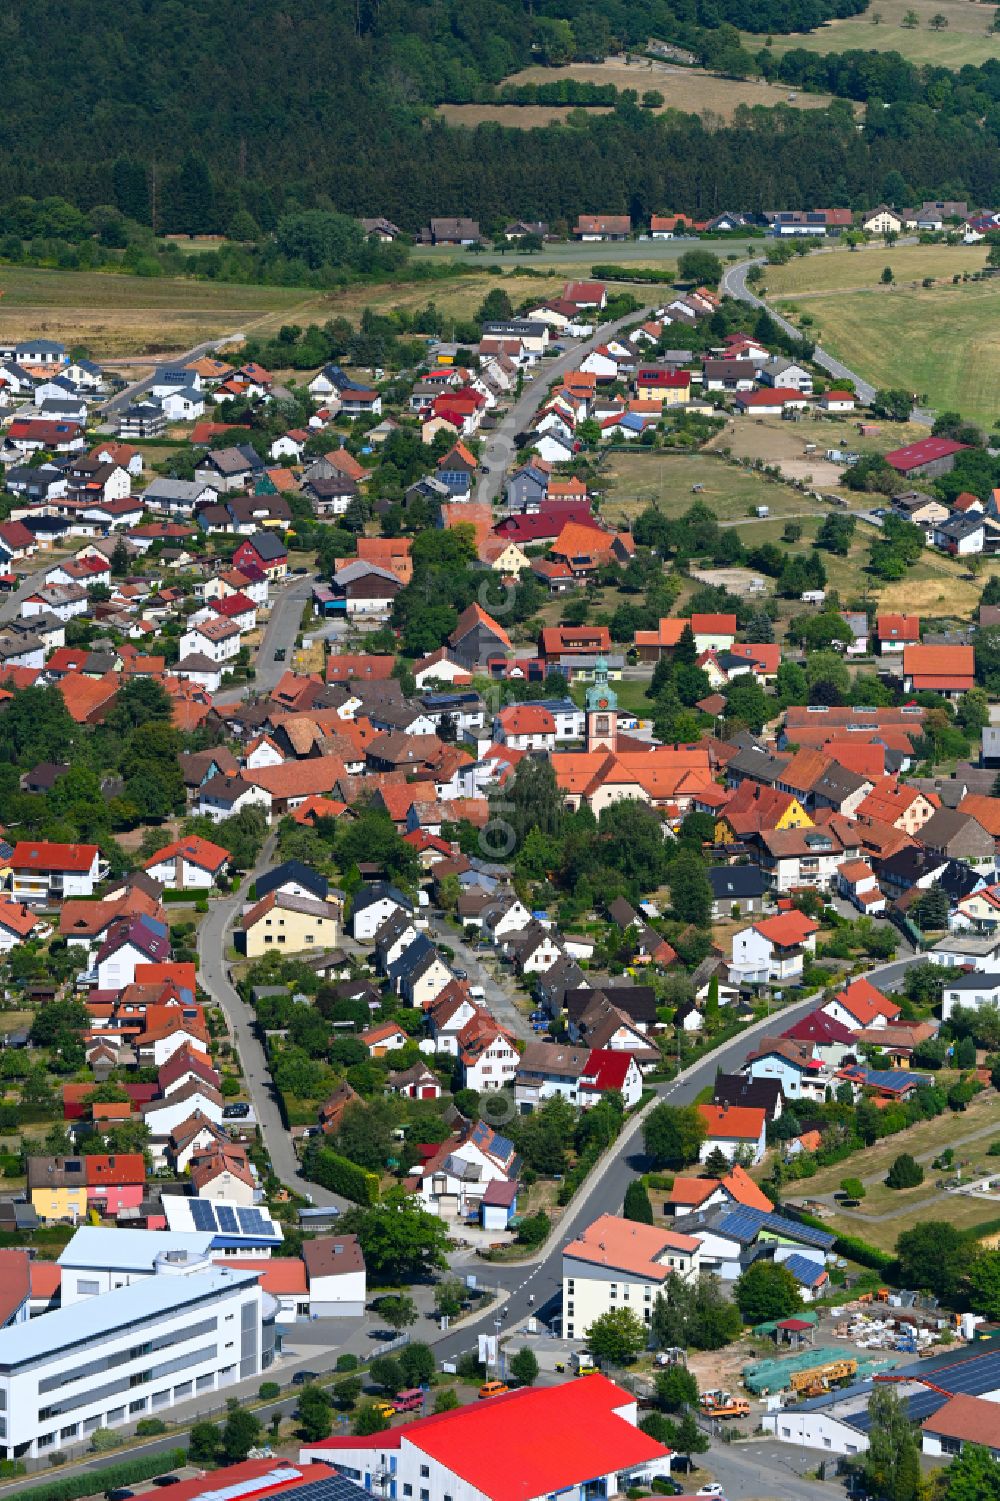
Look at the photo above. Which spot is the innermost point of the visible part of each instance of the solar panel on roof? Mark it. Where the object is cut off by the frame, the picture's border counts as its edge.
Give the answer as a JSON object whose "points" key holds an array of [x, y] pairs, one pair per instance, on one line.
{"points": [[334, 1488], [802, 1269], [227, 1220], [249, 1220], [808, 1234], [202, 1214]]}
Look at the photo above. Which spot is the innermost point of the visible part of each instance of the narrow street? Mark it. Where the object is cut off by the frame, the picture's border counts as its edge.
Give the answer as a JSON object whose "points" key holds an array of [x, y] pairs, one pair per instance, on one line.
{"points": [[213, 938], [499, 448], [498, 1000]]}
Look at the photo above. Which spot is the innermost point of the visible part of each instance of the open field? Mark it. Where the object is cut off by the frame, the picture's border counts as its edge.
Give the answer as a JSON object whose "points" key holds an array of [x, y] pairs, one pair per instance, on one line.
{"points": [[116, 317], [939, 342], [840, 270], [631, 481], [570, 257], [689, 89], [966, 39], [121, 315]]}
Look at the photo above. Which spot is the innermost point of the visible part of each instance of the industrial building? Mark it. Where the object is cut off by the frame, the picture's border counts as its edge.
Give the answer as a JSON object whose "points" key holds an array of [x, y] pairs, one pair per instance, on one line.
{"points": [[578, 1441], [106, 1361]]}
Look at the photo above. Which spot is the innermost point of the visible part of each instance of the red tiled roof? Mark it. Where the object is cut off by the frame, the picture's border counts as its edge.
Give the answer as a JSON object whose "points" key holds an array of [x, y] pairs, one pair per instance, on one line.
{"points": [[787, 928], [914, 455], [733, 1122]]}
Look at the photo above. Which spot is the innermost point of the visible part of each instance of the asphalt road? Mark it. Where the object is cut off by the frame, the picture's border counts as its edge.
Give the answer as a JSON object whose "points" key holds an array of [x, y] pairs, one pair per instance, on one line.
{"points": [[282, 627], [213, 937], [499, 447], [734, 284], [140, 387]]}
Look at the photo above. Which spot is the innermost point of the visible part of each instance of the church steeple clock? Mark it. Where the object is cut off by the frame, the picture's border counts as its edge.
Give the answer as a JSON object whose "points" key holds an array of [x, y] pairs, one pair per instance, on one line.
{"points": [[602, 711]]}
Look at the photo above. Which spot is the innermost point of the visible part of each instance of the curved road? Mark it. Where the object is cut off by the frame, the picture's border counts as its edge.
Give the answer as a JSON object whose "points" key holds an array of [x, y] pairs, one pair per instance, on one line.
{"points": [[533, 1284], [213, 938], [734, 284]]}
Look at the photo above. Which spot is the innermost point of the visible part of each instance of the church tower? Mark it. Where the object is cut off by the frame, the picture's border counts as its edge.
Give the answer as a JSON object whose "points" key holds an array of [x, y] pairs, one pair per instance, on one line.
{"points": [[602, 711]]}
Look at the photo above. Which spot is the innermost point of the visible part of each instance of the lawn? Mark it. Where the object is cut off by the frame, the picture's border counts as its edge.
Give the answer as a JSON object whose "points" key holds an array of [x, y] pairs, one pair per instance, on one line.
{"points": [[116, 315], [924, 1141], [967, 38], [631, 481], [689, 89]]}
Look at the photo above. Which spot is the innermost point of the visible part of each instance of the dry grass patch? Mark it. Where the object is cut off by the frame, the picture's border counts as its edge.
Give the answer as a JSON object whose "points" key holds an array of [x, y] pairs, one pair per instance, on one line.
{"points": [[839, 269], [114, 315], [689, 89]]}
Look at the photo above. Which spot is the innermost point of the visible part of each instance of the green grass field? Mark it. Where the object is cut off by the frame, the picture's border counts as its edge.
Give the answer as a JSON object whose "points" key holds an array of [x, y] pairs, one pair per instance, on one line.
{"points": [[967, 38], [629, 482], [939, 341]]}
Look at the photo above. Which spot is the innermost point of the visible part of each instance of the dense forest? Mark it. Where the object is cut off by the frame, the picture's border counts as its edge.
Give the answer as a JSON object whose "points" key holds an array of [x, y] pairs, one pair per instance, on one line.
{"points": [[225, 118]]}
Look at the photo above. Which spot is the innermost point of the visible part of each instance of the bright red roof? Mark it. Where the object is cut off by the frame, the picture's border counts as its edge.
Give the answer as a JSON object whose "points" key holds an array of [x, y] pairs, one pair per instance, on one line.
{"points": [[41, 856], [551, 1439]]}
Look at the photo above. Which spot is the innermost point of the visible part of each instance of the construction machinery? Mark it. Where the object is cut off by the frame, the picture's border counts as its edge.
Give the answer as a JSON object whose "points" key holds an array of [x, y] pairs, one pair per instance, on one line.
{"points": [[815, 1380], [719, 1404]]}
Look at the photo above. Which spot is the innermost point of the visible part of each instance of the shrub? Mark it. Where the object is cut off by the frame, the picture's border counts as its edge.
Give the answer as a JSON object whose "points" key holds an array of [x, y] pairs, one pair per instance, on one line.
{"points": [[905, 1172], [147, 1426], [268, 1389], [347, 1362], [125, 1472]]}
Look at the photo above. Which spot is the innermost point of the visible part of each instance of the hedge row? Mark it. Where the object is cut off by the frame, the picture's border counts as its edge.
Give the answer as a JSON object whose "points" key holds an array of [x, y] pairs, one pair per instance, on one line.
{"points": [[342, 1176], [125, 1472]]}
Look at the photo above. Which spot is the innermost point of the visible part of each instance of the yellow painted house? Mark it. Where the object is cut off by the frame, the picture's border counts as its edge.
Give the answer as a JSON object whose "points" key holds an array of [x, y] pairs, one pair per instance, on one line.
{"points": [[754, 808], [289, 924], [671, 388], [57, 1187]]}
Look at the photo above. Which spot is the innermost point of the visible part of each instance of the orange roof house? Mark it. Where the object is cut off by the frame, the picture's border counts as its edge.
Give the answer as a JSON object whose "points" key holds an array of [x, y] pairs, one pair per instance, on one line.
{"points": [[787, 929], [949, 670], [647, 1251], [896, 631], [731, 1126]]}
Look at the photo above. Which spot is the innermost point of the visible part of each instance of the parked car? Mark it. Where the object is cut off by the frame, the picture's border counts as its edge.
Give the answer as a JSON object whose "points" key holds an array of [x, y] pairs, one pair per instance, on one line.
{"points": [[166, 1480], [119, 1493], [493, 1389], [280, 654], [236, 1112], [712, 1489], [302, 1377]]}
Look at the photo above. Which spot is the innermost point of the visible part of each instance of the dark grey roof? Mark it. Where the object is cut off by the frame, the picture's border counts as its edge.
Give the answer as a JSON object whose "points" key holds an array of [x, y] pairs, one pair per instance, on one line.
{"points": [[293, 870], [369, 895], [740, 1089], [268, 546], [736, 881]]}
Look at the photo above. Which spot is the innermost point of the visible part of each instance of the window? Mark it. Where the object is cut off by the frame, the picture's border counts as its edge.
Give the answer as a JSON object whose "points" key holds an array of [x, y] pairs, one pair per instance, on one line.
{"points": [[87, 1289], [570, 1285], [425, 1472], [407, 1489], [139, 1405]]}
